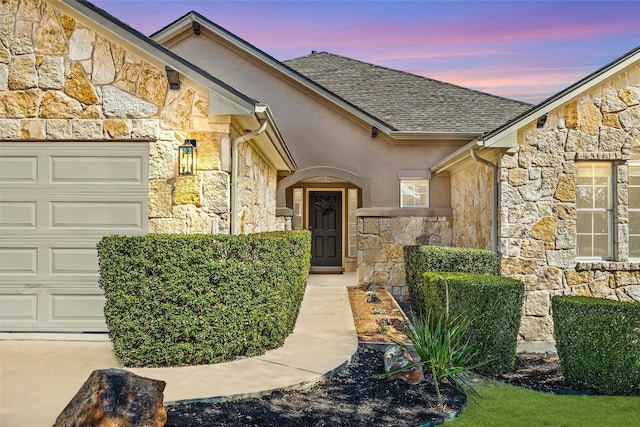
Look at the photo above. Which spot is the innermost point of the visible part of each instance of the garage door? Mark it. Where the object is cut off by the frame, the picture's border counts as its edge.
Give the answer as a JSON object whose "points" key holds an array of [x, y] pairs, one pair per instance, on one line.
{"points": [[56, 201]]}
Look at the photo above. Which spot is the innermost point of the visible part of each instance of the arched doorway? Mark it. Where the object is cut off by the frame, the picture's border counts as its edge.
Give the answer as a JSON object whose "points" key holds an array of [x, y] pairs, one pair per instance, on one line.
{"points": [[324, 200]]}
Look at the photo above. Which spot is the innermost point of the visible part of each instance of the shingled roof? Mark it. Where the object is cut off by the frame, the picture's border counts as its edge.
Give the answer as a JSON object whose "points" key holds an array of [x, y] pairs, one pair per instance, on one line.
{"points": [[407, 102]]}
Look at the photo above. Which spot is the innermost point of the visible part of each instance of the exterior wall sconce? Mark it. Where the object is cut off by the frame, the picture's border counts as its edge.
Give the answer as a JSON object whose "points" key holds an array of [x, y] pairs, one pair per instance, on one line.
{"points": [[187, 157]]}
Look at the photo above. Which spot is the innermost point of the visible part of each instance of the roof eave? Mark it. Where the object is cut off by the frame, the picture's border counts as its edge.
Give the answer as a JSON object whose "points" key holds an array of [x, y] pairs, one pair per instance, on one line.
{"points": [[439, 136], [185, 23]]}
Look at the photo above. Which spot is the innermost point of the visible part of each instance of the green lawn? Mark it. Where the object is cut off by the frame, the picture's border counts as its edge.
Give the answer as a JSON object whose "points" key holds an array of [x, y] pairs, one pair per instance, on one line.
{"points": [[505, 405]]}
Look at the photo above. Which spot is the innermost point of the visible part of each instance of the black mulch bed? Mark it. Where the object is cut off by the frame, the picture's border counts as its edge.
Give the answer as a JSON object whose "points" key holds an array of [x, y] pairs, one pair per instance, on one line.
{"points": [[535, 371], [354, 398], [350, 398]]}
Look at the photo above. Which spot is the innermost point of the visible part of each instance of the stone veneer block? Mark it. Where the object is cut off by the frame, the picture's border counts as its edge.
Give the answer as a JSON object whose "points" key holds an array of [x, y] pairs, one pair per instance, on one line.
{"points": [[51, 72], [159, 199], [187, 190], [19, 104], [78, 85], [81, 44], [104, 70], [121, 104], [57, 105], [49, 34], [22, 72], [9, 129]]}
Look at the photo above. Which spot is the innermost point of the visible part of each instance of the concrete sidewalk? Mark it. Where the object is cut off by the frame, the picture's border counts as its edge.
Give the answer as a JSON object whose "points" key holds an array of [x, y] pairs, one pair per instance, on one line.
{"points": [[40, 373]]}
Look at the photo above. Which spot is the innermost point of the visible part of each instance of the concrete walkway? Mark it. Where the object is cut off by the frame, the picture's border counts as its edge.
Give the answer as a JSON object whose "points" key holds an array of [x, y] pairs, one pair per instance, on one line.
{"points": [[40, 373]]}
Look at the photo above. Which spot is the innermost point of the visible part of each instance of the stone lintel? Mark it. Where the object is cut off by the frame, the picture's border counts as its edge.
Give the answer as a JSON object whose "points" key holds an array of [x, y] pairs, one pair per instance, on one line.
{"points": [[607, 266]]}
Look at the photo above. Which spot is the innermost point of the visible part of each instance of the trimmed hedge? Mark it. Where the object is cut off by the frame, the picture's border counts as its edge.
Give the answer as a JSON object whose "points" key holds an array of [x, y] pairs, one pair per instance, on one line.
{"points": [[598, 343], [492, 303], [419, 259], [177, 300]]}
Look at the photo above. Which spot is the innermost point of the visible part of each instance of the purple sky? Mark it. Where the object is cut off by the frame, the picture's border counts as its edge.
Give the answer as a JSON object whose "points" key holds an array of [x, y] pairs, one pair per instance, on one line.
{"points": [[525, 50]]}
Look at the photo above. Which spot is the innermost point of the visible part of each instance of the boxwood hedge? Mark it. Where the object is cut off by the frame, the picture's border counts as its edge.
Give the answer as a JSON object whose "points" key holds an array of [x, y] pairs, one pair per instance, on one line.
{"points": [[598, 343], [175, 300], [492, 303], [419, 259]]}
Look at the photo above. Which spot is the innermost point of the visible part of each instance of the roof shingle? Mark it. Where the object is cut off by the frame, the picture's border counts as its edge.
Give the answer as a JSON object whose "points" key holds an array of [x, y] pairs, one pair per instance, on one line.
{"points": [[407, 102]]}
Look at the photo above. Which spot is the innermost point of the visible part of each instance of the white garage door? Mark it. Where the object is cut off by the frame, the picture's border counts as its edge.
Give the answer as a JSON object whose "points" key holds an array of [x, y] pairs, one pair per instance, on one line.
{"points": [[56, 201]]}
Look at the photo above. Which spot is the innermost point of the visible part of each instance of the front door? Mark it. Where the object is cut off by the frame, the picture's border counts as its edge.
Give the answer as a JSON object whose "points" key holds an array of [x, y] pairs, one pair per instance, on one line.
{"points": [[325, 223]]}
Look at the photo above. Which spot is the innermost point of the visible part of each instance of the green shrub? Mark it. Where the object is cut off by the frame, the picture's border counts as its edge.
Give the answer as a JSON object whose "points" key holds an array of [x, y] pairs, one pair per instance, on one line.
{"points": [[598, 343], [199, 299], [492, 303], [419, 259]]}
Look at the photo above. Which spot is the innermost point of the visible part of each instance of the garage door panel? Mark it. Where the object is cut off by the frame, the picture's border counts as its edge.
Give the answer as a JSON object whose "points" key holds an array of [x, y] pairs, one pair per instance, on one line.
{"points": [[19, 169], [57, 200], [75, 307], [18, 215], [19, 261], [97, 215], [96, 170], [18, 307], [52, 262], [74, 262]]}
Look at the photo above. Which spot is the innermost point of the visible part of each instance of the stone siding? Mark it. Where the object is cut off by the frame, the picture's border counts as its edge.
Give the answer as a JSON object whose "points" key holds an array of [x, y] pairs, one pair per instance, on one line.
{"points": [[538, 201], [60, 80], [256, 184], [471, 200], [380, 241]]}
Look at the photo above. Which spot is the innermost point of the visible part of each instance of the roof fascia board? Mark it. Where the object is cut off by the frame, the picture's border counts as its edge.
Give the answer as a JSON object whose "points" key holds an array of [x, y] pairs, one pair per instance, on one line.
{"points": [[454, 158], [241, 103], [434, 135], [184, 24], [506, 136]]}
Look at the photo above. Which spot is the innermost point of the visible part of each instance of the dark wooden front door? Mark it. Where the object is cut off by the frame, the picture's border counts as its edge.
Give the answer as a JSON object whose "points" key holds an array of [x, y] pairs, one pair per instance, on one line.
{"points": [[325, 223]]}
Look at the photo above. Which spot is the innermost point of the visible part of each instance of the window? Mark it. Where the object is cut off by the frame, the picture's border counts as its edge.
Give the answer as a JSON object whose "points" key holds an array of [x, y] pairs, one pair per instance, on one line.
{"points": [[595, 210], [414, 188], [297, 209]]}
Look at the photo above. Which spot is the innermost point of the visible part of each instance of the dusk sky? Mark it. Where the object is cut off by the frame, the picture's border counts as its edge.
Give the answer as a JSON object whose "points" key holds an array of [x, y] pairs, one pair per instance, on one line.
{"points": [[525, 50]]}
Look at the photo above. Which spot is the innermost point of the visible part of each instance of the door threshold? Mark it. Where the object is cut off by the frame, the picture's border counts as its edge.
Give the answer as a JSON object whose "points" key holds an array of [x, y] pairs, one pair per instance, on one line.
{"points": [[326, 270]]}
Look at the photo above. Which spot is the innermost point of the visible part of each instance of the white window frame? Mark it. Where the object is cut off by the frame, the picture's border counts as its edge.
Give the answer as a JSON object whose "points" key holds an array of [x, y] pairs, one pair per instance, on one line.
{"points": [[609, 209], [410, 179]]}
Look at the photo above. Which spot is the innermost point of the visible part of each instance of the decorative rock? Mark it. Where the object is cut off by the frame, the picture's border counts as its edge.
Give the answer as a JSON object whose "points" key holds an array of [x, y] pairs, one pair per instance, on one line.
{"points": [[22, 72], [104, 70], [159, 199], [29, 10], [396, 357], [58, 129], [176, 114], [145, 129], [68, 24], [49, 34], [590, 119], [4, 77], [33, 129], [57, 105], [116, 128], [116, 398], [215, 192], [152, 86], [86, 129], [545, 229], [187, 190], [81, 44], [9, 129], [19, 104], [51, 72], [21, 43], [78, 86], [118, 103], [8, 6]]}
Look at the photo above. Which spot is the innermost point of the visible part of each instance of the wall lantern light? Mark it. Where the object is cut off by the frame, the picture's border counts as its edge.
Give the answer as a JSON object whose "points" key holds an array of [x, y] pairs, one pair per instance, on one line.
{"points": [[187, 157]]}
